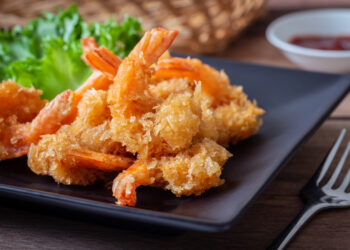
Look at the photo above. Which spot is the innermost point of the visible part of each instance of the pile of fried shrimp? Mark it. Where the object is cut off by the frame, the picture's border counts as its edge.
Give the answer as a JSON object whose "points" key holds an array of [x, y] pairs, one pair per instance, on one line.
{"points": [[149, 119]]}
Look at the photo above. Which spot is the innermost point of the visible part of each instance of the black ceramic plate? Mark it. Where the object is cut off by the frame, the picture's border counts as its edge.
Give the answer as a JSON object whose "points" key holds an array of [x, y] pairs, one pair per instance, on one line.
{"points": [[296, 103]]}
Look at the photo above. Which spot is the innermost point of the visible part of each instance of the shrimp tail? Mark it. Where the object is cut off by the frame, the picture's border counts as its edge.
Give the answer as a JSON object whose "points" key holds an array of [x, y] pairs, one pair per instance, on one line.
{"points": [[176, 68], [153, 44], [125, 184], [59, 111], [100, 58], [100, 161], [56, 113], [127, 93]]}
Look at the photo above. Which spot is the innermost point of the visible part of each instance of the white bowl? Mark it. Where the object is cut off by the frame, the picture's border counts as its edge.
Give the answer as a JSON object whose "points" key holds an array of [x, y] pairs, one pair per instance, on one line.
{"points": [[314, 22]]}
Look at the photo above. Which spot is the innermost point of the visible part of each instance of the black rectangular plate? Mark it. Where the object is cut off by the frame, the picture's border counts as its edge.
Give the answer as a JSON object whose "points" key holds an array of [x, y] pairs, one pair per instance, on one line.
{"points": [[296, 103]]}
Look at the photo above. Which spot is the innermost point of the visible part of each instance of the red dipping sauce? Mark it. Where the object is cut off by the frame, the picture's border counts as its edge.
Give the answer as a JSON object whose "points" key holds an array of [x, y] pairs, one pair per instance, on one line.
{"points": [[322, 42]]}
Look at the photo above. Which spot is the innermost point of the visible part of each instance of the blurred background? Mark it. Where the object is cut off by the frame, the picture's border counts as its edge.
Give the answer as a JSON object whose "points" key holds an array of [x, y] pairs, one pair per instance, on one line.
{"points": [[209, 26]]}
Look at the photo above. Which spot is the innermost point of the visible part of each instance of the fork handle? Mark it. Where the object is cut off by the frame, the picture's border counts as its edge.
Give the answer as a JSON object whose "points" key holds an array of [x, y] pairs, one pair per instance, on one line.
{"points": [[291, 230]]}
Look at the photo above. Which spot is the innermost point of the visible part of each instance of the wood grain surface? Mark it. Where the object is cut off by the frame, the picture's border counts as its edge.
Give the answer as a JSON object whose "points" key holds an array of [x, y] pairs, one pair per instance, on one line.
{"points": [[277, 205]]}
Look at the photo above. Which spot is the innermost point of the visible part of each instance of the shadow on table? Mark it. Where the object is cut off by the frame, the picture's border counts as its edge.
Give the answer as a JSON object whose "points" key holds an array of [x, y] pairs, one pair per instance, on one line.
{"points": [[143, 228]]}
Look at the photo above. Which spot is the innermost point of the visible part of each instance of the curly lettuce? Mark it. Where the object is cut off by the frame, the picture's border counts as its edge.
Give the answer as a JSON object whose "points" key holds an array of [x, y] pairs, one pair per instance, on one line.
{"points": [[46, 54]]}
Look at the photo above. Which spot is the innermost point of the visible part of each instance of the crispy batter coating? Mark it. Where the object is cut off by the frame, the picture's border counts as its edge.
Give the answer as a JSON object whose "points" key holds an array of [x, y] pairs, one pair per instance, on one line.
{"points": [[90, 131], [10, 146], [49, 157], [19, 106], [172, 86], [186, 113], [231, 122], [174, 115], [176, 121], [92, 125], [185, 117], [162, 115], [194, 170], [168, 129]]}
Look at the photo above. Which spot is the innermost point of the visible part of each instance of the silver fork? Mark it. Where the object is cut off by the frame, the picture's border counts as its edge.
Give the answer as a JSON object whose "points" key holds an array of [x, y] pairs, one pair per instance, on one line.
{"points": [[317, 197]]}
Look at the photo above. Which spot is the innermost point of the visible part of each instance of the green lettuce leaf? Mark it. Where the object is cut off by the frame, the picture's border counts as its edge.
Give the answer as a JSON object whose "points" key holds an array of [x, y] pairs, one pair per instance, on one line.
{"points": [[47, 52]]}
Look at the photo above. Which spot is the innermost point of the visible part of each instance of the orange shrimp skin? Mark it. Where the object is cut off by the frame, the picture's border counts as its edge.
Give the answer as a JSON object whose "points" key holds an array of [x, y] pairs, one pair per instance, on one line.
{"points": [[153, 44], [100, 161], [58, 112], [97, 80], [176, 68], [124, 186], [20, 136], [128, 90], [100, 58], [214, 83]]}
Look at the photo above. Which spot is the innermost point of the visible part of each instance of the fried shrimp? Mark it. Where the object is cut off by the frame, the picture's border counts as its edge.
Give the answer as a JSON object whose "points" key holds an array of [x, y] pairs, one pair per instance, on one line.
{"points": [[84, 143], [48, 157], [22, 127], [128, 94], [131, 104], [22, 124], [227, 114], [150, 119], [60, 156], [176, 136], [19, 106], [192, 171], [79, 153], [215, 84], [18, 137]]}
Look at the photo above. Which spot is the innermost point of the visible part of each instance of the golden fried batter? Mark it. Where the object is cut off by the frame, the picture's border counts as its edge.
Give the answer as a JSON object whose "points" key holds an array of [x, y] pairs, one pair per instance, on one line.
{"points": [[59, 154], [173, 116], [192, 171], [49, 157], [19, 106], [195, 103]]}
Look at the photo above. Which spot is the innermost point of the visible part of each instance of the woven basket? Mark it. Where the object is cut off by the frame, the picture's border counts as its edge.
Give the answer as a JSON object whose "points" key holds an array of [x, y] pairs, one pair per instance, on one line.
{"points": [[206, 26]]}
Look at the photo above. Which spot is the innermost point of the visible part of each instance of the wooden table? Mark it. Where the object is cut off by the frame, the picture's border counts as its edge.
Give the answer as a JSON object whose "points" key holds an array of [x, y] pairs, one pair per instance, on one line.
{"points": [[278, 204]]}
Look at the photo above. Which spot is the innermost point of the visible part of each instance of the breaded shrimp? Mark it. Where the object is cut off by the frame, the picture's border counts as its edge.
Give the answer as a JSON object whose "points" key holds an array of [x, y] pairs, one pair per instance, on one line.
{"points": [[176, 140], [227, 114], [231, 122], [215, 84], [85, 143], [17, 137], [131, 105], [128, 94], [168, 129], [80, 152], [19, 105], [60, 156], [162, 121], [48, 157], [192, 171]]}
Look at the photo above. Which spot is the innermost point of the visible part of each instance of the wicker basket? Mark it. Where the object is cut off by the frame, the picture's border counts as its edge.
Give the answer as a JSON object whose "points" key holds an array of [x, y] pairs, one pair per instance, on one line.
{"points": [[206, 26]]}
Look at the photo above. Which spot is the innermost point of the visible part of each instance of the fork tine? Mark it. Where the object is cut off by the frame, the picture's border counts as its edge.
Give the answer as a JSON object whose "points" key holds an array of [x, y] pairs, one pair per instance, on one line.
{"points": [[345, 182], [328, 161], [339, 167]]}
